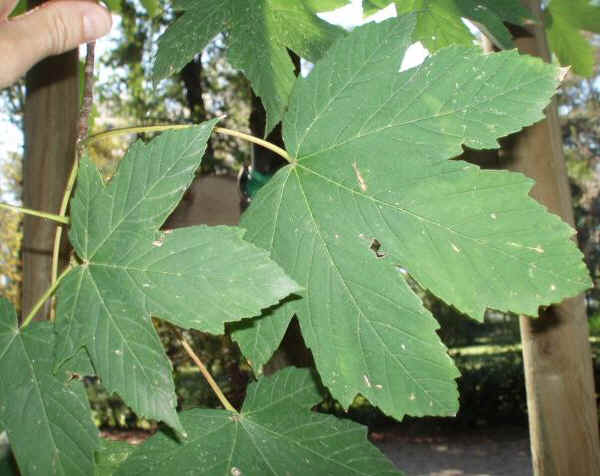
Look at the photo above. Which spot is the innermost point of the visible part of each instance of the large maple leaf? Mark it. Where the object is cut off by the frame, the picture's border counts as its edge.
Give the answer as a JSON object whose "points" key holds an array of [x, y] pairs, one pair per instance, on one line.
{"points": [[197, 277], [439, 22], [275, 433], [370, 195], [259, 32]]}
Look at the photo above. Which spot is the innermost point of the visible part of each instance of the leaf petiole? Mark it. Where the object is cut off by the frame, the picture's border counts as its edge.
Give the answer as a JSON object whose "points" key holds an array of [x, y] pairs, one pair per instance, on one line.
{"points": [[219, 130], [211, 381], [49, 292], [266, 144], [28, 211]]}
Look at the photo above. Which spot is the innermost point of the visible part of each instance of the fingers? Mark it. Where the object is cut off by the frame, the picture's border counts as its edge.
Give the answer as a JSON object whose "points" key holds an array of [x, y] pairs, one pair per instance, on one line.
{"points": [[6, 7], [52, 29]]}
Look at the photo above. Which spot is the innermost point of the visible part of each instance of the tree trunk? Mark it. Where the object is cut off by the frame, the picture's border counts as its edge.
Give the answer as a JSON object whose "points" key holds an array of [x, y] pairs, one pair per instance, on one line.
{"points": [[51, 112], [192, 76], [559, 379]]}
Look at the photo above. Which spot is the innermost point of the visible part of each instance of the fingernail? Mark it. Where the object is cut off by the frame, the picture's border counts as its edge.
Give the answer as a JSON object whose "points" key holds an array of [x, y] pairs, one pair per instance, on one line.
{"points": [[96, 23]]}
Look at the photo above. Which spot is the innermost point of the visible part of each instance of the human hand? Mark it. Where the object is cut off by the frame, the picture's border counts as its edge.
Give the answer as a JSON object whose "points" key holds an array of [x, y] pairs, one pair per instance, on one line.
{"points": [[52, 28]]}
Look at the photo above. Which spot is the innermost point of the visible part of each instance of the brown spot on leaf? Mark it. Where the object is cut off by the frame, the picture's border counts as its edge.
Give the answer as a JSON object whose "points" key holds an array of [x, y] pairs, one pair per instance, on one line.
{"points": [[375, 246]]}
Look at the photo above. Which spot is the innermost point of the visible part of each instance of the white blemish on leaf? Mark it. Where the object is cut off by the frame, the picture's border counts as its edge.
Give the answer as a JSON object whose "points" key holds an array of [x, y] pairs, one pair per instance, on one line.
{"points": [[493, 215], [367, 381], [412, 397], [379, 387], [537, 248], [235, 471], [359, 177], [403, 346], [455, 248], [552, 287]]}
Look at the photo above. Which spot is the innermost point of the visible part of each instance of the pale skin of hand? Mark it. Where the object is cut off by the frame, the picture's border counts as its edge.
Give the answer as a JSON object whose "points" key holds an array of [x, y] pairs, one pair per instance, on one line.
{"points": [[51, 29]]}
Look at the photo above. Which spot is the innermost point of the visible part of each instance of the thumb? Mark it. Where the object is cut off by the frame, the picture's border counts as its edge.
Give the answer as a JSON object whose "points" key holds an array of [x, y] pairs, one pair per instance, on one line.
{"points": [[51, 29]]}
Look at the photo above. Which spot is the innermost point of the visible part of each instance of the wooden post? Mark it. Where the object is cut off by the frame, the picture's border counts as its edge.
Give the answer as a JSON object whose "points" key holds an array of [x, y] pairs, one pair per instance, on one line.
{"points": [[51, 111], [563, 420]]}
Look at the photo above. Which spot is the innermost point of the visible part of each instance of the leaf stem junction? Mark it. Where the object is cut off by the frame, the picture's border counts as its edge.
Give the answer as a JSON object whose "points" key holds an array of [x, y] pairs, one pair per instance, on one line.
{"points": [[219, 130], [49, 292], [28, 211]]}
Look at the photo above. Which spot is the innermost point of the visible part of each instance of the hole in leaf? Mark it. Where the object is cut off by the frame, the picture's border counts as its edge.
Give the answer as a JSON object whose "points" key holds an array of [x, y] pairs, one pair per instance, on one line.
{"points": [[375, 246]]}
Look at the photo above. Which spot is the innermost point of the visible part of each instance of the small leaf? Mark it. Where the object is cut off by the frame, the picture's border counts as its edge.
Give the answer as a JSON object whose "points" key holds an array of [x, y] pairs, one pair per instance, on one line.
{"points": [[371, 196], [258, 34], [197, 277], [274, 434], [564, 22], [47, 417], [439, 22]]}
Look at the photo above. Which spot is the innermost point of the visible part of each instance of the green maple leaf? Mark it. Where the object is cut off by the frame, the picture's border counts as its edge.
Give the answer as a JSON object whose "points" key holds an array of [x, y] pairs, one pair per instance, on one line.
{"points": [[274, 434], [564, 21], [258, 35], [47, 417], [197, 277], [370, 149], [439, 22]]}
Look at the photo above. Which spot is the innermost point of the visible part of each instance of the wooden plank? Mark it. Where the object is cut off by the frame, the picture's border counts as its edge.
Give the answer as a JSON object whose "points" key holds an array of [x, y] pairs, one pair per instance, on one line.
{"points": [[561, 399]]}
